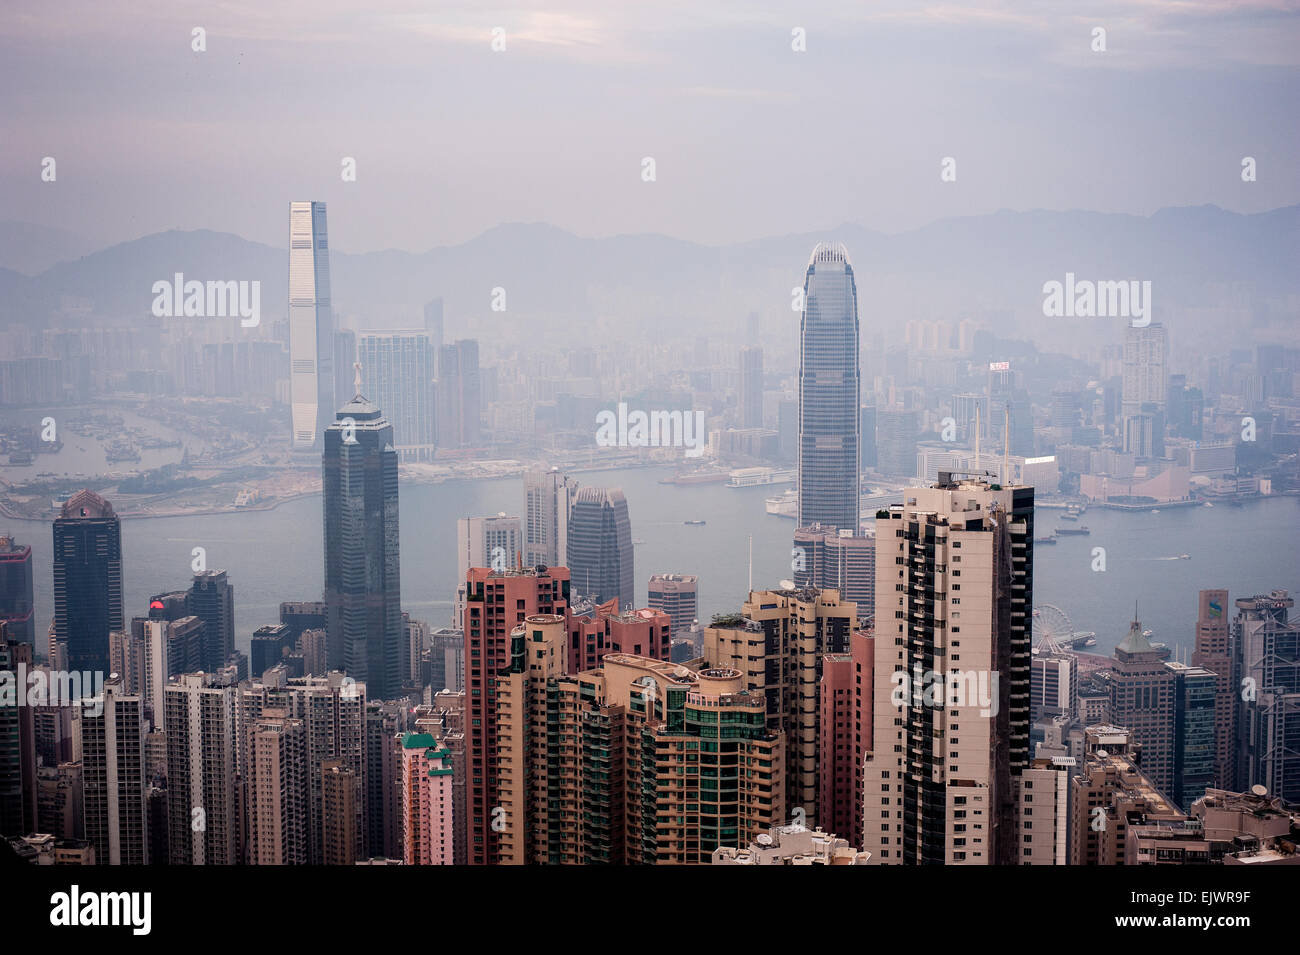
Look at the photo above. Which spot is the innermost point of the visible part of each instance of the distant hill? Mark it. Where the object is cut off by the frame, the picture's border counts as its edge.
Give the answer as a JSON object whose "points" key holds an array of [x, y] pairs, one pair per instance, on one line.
{"points": [[31, 249], [613, 288]]}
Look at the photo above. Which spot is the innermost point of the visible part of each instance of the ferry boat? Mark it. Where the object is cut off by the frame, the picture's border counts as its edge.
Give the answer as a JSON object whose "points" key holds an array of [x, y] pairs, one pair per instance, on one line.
{"points": [[693, 522], [755, 477], [1049, 539], [1081, 530], [786, 505]]}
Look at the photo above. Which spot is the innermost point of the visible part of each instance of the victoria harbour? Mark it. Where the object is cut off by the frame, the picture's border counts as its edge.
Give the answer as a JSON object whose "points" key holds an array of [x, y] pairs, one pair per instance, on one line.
{"points": [[278, 552]]}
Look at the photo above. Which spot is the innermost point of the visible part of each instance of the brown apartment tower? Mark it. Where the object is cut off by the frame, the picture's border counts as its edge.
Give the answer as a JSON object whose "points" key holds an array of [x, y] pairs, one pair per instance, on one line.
{"points": [[496, 603], [1212, 653]]}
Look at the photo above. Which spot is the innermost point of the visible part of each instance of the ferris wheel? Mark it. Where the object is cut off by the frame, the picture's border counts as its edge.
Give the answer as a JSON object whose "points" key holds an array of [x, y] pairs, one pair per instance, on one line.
{"points": [[1052, 629]]}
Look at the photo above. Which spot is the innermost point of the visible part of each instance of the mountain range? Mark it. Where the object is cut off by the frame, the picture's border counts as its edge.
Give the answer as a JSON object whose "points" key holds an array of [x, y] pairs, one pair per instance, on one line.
{"points": [[1207, 266]]}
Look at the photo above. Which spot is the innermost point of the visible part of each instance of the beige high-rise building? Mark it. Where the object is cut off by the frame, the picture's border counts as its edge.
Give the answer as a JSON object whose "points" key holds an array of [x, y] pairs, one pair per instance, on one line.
{"points": [[778, 643], [1043, 811], [333, 711], [202, 812], [537, 655], [1212, 652], [109, 741], [676, 595], [954, 587], [277, 790], [339, 792]]}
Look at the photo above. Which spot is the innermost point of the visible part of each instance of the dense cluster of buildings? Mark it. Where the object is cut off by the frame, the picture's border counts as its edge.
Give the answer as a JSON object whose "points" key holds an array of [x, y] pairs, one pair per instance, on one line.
{"points": [[884, 706]]}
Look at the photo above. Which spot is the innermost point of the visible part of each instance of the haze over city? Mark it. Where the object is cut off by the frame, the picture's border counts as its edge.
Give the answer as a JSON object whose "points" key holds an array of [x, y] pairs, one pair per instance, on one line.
{"points": [[650, 434]]}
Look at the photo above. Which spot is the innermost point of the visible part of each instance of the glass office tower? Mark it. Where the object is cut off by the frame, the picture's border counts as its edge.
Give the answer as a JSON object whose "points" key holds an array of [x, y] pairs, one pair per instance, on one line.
{"points": [[829, 382]]}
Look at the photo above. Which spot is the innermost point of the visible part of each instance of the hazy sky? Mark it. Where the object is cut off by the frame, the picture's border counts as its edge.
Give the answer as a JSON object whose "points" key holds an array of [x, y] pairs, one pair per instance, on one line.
{"points": [[749, 137]]}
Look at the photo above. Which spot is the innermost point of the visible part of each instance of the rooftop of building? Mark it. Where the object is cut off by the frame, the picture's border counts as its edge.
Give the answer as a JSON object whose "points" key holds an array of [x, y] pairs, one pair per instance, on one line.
{"points": [[86, 505]]}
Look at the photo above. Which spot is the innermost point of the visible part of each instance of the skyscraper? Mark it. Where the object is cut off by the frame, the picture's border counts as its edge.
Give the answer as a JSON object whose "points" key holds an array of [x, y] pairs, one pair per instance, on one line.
{"points": [[340, 810], [1146, 355], [345, 357], [676, 595], [87, 580], [844, 735], [398, 368], [203, 819], [497, 603], [829, 385], [600, 546], [495, 542], [17, 744], [954, 585], [16, 599], [1194, 691], [896, 430], [1266, 682], [212, 600], [362, 567], [332, 709], [110, 735], [433, 322], [278, 818], [548, 497], [459, 401], [311, 325], [428, 813], [1212, 652], [1142, 701], [825, 558], [779, 643], [751, 387]]}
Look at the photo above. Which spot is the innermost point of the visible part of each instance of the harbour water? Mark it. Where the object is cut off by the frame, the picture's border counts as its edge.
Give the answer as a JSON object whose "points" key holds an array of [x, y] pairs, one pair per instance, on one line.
{"points": [[277, 555]]}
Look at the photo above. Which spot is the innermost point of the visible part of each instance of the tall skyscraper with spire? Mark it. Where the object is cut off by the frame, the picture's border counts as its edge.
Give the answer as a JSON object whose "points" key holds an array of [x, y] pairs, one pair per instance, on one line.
{"points": [[311, 325], [829, 385], [362, 566]]}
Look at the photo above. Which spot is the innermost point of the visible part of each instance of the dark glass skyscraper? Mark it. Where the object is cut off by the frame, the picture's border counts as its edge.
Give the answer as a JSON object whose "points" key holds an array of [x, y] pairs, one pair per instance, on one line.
{"points": [[600, 546], [16, 600], [362, 568], [87, 579], [212, 600], [829, 383]]}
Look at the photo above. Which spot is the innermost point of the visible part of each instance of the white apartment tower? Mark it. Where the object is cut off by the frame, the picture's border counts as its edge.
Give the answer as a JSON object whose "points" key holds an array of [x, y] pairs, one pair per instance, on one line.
{"points": [[202, 813], [311, 325], [548, 496], [109, 736]]}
